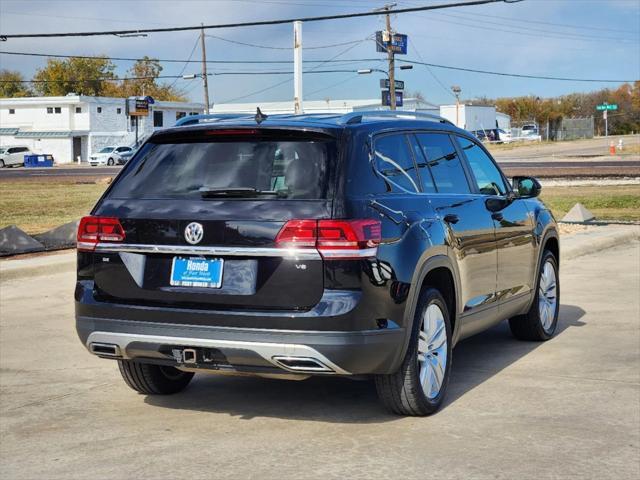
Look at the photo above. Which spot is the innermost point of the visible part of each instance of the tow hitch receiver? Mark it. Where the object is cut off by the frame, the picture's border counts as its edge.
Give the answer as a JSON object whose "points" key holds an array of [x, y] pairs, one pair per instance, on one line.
{"points": [[194, 356]]}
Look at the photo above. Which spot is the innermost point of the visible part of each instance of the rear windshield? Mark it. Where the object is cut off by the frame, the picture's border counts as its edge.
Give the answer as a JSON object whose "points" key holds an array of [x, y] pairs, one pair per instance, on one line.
{"points": [[296, 169]]}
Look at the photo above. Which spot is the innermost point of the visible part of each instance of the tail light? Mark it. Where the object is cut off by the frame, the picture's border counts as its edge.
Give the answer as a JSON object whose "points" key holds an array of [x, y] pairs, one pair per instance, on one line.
{"points": [[334, 239], [94, 230]]}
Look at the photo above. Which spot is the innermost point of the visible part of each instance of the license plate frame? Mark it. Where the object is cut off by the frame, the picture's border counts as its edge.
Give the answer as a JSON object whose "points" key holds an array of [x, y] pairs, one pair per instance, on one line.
{"points": [[190, 272]]}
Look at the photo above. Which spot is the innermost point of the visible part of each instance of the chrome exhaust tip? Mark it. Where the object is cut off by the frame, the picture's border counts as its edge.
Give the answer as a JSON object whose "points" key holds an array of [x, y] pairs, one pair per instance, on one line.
{"points": [[105, 349], [301, 364]]}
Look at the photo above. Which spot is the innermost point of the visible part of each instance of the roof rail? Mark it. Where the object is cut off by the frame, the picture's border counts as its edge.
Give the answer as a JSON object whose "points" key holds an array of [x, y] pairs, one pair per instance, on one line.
{"points": [[358, 117], [214, 117]]}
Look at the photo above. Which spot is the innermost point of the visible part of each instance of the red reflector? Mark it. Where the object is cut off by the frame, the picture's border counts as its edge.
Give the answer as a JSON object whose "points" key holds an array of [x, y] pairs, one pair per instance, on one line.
{"points": [[334, 239], [93, 230]]}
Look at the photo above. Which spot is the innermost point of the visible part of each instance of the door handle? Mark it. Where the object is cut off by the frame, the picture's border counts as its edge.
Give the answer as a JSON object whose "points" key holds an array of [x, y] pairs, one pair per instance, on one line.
{"points": [[497, 216], [451, 218]]}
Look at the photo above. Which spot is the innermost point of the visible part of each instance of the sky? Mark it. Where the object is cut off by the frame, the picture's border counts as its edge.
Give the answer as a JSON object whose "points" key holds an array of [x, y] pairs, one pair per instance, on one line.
{"points": [[591, 39]]}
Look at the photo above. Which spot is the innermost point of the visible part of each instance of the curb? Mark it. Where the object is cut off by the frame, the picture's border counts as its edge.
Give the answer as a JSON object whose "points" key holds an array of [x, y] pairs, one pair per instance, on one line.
{"points": [[37, 266], [568, 252]]}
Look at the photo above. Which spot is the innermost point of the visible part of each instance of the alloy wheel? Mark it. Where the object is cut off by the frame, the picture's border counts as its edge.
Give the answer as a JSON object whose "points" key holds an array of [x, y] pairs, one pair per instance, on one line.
{"points": [[547, 296], [432, 351]]}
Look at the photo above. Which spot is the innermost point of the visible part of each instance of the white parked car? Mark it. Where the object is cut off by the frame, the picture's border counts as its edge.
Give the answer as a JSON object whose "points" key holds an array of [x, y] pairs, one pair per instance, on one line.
{"points": [[11, 156], [111, 156], [504, 135]]}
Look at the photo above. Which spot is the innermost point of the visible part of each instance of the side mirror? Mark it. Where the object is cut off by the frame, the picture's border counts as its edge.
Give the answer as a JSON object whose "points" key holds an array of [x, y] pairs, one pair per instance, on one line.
{"points": [[526, 187]]}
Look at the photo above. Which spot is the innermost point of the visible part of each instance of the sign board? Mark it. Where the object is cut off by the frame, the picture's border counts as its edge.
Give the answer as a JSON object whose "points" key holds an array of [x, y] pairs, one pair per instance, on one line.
{"points": [[397, 42], [606, 106], [386, 84], [138, 106], [386, 98]]}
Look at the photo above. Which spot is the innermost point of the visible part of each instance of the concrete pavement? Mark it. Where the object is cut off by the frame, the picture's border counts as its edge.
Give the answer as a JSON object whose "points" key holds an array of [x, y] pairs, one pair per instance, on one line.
{"points": [[567, 408]]}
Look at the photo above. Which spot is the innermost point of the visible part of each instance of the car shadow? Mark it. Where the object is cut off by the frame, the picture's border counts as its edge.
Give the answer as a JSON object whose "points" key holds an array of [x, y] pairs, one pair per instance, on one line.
{"points": [[341, 400], [482, 356]]}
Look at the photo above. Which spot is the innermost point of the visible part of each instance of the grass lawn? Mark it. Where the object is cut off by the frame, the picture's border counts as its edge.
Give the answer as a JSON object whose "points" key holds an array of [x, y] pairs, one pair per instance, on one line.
{"points": [[39, 205], [605, 202]]}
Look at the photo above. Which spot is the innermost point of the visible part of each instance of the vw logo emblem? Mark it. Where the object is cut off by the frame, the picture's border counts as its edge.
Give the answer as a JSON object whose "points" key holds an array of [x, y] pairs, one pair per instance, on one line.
{"points": [[193, 233]]}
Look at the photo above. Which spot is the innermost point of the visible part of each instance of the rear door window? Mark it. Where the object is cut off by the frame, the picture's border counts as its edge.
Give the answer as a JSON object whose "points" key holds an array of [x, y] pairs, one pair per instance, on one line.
{"points": [[183, 169], [393, 160], [444, 163]]}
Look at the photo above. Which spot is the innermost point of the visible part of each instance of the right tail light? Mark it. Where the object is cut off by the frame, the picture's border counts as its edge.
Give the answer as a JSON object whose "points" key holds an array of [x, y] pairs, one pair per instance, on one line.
{"points": [[334, 239]]}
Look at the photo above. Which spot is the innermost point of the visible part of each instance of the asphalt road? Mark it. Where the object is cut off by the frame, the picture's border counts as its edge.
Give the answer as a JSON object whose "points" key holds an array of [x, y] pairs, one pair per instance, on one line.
{"points": [[578, 148], [548, 166], [567, 408]]}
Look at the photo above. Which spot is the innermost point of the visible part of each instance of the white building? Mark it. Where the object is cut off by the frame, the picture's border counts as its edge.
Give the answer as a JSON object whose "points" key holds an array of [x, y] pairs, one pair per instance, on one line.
{"points": [[319, 106], [77, 126]]}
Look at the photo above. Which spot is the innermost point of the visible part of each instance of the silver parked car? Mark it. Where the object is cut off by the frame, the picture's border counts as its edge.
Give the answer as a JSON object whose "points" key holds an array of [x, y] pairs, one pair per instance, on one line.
{"points": [[111, 156], [13, 155]]}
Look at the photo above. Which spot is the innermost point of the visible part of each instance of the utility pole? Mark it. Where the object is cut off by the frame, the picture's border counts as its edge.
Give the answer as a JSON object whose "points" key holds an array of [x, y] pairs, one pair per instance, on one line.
{"points": [[392, 61], [297, 67], [205, 82]]}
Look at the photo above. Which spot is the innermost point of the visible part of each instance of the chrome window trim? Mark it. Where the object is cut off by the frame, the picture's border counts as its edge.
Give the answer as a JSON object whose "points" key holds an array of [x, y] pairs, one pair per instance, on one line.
{"points": [[296, 253]]}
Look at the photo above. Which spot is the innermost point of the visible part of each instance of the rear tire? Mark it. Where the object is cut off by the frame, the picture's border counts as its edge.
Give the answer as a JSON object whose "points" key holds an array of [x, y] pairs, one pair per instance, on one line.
{"points": [[110, 162], [153, 379], [419, 386], [1, 163], [540, 322]]}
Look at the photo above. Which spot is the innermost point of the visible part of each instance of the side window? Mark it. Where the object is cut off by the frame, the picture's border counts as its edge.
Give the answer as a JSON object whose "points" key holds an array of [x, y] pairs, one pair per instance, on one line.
{"points": [[423, 166], [488, 177], [445, 166], [394, 162]]}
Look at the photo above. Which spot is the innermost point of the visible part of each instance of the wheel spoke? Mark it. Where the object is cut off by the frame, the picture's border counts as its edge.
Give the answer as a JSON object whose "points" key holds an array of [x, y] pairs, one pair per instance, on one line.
{"points": [[439, 339], [423, 342], [438, 374]]}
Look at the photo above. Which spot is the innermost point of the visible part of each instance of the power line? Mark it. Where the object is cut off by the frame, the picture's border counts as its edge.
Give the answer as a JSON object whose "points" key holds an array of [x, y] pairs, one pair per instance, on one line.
{"points": [[253, 24], [567, 35], [516, 75], [413, 47], [564, 25], [268, 47], [173, 60], [290, 80], [186, 64], [321, 62], [178, 77]]}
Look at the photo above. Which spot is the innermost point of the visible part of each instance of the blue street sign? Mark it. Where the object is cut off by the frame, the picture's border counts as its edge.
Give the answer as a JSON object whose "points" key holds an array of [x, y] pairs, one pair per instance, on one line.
{"points": [[398, 43], [386, 98]]}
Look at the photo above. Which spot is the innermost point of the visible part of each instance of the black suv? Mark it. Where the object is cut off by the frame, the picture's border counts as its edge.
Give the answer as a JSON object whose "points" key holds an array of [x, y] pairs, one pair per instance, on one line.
{"points": [[366, 244]]}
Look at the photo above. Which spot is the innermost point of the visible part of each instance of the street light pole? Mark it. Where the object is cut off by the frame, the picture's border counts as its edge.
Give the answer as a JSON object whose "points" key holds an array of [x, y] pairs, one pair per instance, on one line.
{"points": [[297, 67], [456, 91]]}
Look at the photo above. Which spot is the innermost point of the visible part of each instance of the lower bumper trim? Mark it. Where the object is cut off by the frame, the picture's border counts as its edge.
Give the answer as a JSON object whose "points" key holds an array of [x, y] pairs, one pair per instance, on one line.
{"points": [[271, 352]]}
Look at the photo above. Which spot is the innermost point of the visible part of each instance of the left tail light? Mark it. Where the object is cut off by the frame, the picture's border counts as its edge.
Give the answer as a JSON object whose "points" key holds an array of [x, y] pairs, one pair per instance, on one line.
{"points": [[93, 230]]}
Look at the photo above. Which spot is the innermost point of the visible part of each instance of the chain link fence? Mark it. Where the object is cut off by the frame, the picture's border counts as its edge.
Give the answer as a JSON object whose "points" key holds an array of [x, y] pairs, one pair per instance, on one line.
{"points": [[554, 130]]}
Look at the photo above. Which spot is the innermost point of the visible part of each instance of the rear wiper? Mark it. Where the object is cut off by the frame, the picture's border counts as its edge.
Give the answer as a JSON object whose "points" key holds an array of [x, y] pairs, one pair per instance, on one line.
{"points": [[239, 192]]}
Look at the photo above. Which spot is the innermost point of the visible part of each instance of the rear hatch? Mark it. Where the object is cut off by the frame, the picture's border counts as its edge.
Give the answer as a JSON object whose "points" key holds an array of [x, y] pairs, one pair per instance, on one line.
{"points": [[200, 212]]}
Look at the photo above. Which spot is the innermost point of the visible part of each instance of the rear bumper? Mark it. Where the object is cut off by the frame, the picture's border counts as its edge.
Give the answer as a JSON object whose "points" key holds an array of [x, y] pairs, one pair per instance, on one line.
{"points": [[248, 350]]}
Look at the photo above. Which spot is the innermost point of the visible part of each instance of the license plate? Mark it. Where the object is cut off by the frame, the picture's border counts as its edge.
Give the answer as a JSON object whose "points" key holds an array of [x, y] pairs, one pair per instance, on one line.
{"points": [[196, 272]]}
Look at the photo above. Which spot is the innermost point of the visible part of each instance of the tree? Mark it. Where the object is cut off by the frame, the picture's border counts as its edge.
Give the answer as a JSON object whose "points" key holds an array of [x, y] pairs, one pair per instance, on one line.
{"points": [[144, 74], [12, 85], [84, 76]]}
